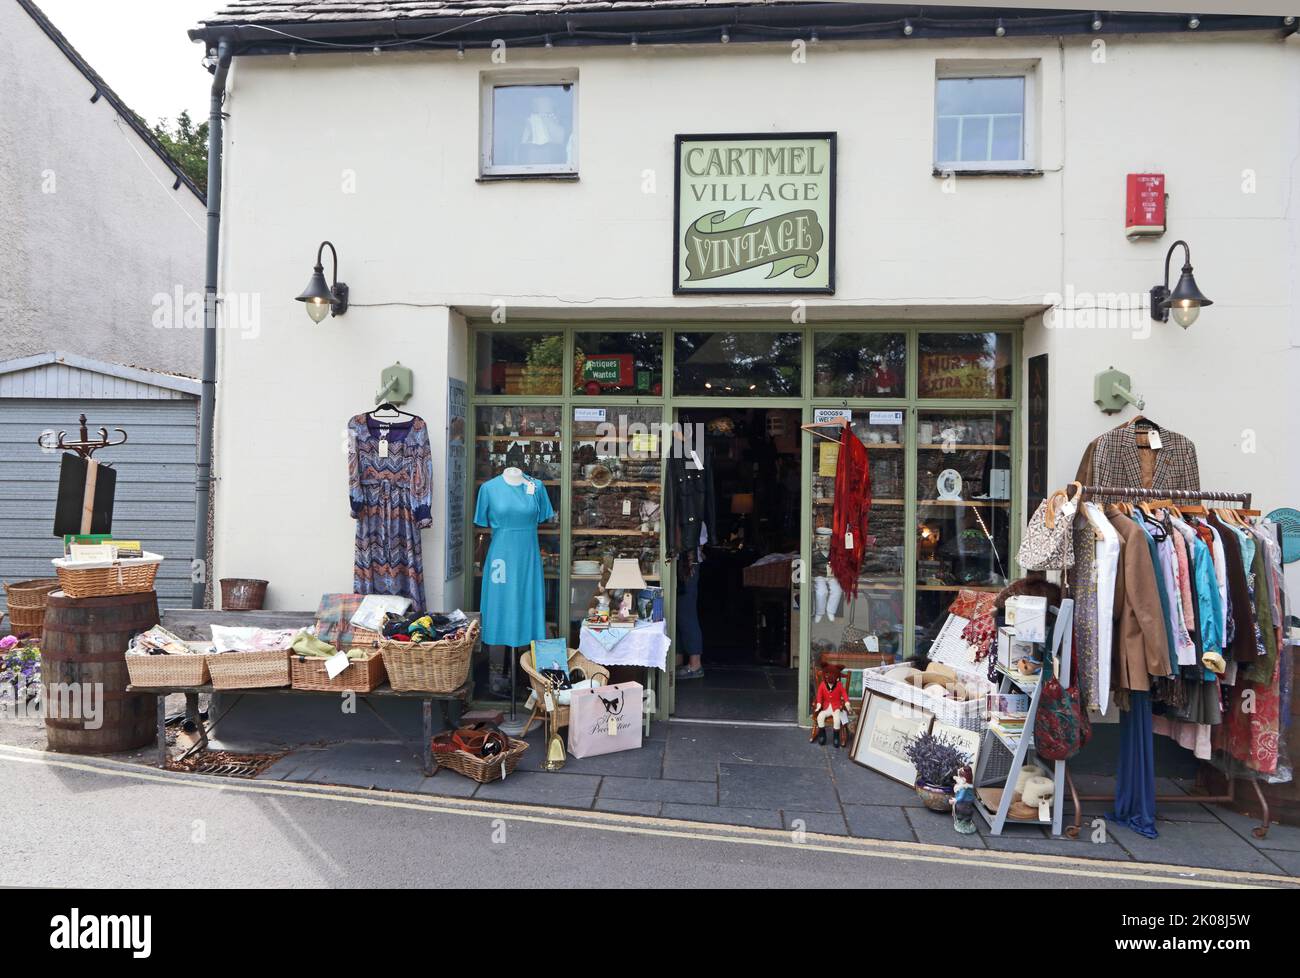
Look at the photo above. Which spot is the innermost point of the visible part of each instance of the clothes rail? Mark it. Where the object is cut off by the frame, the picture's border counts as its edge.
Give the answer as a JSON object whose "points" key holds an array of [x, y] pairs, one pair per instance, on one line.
{"points": [[1173, 495], [1134, 492]]}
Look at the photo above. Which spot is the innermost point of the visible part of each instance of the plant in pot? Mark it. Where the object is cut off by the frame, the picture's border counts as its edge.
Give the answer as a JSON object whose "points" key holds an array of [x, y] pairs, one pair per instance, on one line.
{"points": [[936, 761]]}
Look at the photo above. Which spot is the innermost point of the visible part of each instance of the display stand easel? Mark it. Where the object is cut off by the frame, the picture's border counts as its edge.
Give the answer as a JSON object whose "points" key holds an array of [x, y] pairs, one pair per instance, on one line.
{"points": [[1114, 493], [1003, 756]]}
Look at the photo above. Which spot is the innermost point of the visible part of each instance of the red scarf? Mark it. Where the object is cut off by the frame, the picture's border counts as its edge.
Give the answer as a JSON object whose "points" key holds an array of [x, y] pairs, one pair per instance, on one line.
{"points": [[852, 505]]}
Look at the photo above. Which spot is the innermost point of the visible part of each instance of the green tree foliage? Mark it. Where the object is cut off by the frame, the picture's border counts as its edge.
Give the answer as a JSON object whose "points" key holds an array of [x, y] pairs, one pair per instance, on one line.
{"points": [[187, 144]]}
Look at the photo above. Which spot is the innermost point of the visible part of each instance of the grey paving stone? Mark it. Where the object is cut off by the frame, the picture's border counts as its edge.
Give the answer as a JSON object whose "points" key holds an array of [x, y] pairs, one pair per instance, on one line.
{"points": [[1287, 862], [1030, 838], [626, 807], [879, 822], [690, 769], [1215, 846], [773, 786], [448, 784], [281, 769], [539, 788], [1281, 837], [786, 746], [722, 815], [648, 762], [936, 829], [825, 823], [858, 785], [365, 778], [656, 789]]}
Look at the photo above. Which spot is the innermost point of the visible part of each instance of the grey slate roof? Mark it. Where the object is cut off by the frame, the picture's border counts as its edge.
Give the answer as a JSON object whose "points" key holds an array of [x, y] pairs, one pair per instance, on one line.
{"points": [[317, 11]]}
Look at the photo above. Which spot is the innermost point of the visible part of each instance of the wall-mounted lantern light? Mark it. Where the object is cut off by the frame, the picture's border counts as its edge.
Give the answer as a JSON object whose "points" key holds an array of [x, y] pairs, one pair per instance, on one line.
{"points": [[322, 298], [1186, 300]]}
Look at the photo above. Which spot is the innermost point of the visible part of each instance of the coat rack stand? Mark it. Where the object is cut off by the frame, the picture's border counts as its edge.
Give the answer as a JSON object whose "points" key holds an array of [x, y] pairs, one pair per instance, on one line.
{"points": [[1111, 493]]}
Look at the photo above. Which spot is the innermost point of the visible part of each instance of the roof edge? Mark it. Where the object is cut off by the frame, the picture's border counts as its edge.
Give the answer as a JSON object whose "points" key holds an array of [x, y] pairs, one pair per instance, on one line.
{"points": [[769, 22], [104, 90], [171, 382]]}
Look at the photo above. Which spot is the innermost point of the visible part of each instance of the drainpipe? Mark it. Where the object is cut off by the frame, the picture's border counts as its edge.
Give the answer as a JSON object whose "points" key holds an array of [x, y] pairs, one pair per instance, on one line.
{"points": [[208, 397]]}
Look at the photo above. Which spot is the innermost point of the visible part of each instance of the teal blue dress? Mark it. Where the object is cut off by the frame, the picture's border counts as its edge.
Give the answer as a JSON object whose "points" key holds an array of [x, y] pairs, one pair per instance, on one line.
{"points": [[513, 602]]}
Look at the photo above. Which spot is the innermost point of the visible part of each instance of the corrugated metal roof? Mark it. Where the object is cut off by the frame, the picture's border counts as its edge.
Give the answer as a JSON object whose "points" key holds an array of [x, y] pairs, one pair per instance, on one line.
{"points": [[67, 375]]}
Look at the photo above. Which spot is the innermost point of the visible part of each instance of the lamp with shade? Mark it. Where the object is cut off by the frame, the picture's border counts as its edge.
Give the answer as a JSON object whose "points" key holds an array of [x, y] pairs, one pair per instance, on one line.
{"points": [[625, 576]]}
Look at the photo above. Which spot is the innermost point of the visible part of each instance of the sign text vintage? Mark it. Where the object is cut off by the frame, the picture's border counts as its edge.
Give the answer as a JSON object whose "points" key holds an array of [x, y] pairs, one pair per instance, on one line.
{"points": [[755, 213]]}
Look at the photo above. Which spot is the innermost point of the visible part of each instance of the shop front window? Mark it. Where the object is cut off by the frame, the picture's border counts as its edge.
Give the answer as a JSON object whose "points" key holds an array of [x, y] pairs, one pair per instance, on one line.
{"points": [[724, 363], [616, 476], [519, 363], [966, 366], [527, 437], [867, 630], [619, 363], [860, 365], [963, 510]]}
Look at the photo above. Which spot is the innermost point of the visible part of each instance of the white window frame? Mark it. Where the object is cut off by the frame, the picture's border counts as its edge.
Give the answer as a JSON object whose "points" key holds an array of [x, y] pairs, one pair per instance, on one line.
{"points": [[489, 81], [1028, 70]]}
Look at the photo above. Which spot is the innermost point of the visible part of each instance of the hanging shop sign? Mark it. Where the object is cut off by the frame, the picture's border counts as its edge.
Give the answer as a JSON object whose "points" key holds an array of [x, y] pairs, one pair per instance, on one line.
{"points": [[755, 213]]}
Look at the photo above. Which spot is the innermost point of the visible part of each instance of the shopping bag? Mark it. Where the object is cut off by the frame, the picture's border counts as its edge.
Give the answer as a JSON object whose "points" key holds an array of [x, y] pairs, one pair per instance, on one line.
{"points": [[605, 720]]}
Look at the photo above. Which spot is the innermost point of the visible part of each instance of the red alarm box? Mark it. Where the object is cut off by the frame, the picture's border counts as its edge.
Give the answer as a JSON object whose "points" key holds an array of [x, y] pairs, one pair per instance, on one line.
{"points": [[1145, 213]]}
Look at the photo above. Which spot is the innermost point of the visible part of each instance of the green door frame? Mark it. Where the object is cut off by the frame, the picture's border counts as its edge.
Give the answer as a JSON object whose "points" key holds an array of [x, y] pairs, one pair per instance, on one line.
{"points": [[669, 404]]}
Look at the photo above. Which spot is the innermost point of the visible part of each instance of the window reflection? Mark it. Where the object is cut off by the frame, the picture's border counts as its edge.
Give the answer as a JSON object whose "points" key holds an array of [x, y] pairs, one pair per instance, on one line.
{"points": [[729, 364]]}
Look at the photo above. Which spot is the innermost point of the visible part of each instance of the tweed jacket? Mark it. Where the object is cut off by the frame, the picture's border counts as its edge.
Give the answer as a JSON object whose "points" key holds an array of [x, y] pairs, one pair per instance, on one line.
{"points": [[1116, 459]]}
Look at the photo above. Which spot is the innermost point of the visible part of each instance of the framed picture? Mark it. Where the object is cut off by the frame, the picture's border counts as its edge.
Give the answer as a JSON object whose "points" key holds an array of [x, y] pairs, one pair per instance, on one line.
{"points": [[967, 741], [885, 725]]}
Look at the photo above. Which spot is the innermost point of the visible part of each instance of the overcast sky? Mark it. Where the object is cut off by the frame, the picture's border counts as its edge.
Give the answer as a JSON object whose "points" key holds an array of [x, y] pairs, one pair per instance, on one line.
{"points": [[139, 47]]}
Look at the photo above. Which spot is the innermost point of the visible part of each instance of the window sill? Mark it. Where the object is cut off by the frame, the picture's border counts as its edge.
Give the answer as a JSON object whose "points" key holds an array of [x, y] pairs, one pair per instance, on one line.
{"points": [[506, 177], [996, 171]]}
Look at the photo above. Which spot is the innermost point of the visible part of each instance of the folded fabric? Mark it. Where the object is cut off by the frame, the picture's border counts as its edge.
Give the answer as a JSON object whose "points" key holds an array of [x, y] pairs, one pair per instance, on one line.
{"points": [[230, 639], [306, 643]]}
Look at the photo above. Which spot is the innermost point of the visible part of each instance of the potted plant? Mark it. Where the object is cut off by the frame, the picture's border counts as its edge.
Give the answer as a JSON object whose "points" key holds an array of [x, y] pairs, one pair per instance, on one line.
{"points": [[936, 761]]}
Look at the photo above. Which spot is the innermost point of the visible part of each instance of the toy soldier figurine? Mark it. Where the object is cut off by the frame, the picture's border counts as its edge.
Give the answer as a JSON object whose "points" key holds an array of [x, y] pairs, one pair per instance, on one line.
{"points": [[832, 704]]}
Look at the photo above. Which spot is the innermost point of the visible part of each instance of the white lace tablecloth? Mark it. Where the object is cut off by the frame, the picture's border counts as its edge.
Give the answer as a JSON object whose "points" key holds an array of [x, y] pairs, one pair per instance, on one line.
{"points": [[646, 645]]}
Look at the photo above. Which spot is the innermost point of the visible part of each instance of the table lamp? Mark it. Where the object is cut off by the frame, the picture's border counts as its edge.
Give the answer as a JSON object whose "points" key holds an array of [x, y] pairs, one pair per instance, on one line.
{"points": [[626, 577]]}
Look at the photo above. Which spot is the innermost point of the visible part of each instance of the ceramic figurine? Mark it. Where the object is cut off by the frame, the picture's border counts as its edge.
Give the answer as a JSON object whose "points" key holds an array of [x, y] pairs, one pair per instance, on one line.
{"points": [[832, 704], [963, 801]]}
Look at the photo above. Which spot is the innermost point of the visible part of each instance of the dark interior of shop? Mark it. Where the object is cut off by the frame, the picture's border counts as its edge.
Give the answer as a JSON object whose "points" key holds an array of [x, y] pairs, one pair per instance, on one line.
{"points": [[747, 629]]}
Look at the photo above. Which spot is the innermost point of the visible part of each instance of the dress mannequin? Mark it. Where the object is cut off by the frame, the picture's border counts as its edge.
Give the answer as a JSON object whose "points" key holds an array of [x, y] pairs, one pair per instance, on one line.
{"points": [[513, 475]]}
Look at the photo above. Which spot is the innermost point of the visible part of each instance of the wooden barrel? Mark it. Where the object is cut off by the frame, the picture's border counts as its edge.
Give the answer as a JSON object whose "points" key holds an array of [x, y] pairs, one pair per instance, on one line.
{"points": [[84, 677]]}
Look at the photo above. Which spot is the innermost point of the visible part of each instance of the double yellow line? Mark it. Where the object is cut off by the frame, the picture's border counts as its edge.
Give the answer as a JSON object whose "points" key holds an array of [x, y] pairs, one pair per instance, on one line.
{"points": [[584, 820]]}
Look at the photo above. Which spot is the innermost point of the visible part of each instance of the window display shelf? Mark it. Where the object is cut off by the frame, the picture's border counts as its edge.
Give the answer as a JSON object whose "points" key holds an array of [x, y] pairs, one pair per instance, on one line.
{"points": [[991, 588], [830, 501], [995, 503], [597, 577], [617, 485], [587, 532], [940, 446], [535, 437]]}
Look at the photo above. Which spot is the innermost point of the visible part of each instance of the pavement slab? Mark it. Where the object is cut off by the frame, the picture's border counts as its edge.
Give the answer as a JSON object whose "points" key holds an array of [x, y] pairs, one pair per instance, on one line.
{"points": [[773, 786]]}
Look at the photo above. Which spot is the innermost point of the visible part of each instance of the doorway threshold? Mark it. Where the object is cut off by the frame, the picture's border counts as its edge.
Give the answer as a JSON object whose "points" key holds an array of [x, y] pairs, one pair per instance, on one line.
{"points": [[734, 723]]}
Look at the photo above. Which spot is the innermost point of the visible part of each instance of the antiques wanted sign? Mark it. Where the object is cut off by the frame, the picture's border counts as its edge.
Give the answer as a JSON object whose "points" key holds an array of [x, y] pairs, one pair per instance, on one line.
{"points": [[755, 213]]}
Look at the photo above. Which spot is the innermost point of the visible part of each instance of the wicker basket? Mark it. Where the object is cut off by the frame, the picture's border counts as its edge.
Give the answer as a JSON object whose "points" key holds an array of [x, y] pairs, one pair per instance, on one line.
{"points": [[157, 671], [773, 574], [480, 769], [130, 575], [249, 670], [27, 603], [429, 667], [360, 676]]}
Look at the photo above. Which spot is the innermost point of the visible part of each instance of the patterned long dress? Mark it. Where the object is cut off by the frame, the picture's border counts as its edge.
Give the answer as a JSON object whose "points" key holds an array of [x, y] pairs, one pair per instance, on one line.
{"points": [[390, 477]]}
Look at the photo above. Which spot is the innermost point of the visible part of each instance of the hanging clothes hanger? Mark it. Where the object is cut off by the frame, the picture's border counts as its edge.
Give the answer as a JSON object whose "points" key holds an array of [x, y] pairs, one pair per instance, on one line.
{"points": [[841, 423], [388, 406]]}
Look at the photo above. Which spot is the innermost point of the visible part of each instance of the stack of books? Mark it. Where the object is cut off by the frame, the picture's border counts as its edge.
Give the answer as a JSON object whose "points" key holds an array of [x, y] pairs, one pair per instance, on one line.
{"points": [[1010, 725]]}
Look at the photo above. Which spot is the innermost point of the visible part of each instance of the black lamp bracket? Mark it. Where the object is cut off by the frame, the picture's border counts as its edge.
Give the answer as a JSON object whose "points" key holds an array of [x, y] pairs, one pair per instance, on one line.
{"points": [[339, 305], [1160, 293]]}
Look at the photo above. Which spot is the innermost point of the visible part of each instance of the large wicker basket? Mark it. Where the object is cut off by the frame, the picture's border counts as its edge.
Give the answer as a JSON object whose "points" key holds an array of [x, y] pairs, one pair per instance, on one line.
{"points": [[360, 676], [430, 667], [249, 670], [159, 671], [129, 575], [27, 604], [480, 769]]}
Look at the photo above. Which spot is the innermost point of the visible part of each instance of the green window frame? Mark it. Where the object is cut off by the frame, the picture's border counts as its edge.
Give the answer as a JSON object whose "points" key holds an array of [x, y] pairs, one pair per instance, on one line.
{"points": [[911, 404]]}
